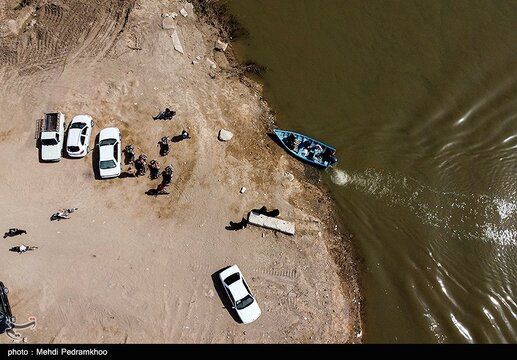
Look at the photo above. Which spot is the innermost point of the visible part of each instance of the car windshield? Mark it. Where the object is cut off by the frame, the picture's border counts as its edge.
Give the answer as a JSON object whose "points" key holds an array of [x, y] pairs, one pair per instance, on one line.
{"points": [[73, 148], [77, 125], [107, 142], [107, 164], [48, 142], [244, 302], [231, 279]]}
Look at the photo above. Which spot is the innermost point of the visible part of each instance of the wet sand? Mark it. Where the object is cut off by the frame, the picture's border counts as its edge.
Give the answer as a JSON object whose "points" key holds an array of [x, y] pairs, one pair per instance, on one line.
{"points": [[131, 268]]}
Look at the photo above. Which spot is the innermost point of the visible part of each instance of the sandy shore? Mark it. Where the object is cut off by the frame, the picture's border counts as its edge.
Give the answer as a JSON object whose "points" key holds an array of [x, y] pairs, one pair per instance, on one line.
{"points": [[132, 268]]}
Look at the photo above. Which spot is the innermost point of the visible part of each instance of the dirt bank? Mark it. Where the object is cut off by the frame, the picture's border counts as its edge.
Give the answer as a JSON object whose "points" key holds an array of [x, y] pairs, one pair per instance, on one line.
{"points": [[133, 268]]}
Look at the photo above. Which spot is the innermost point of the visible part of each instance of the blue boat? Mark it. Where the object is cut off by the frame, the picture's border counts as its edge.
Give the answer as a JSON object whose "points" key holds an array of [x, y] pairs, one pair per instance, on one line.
{"points": [[307, 149]]}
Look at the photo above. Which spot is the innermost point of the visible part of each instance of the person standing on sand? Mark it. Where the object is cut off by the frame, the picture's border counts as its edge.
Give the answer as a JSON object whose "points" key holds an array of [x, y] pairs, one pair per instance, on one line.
{"points": [[185, 135], [14, 232], [164, 146]]}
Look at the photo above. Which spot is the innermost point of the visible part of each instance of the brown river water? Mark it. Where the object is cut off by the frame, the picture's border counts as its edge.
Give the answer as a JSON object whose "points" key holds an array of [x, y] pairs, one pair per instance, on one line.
{"points": [[420, 99]]}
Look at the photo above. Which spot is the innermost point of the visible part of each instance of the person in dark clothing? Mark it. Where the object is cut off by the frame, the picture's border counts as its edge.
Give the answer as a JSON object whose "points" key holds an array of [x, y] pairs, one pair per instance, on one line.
{"points": [[164, 146], [237, 226], [185, 135], [290, 141], [329, 156], [141, 165], [129, 150], [14, 232], [167, 175], [154, 168], [264, 211], [165, 115]]}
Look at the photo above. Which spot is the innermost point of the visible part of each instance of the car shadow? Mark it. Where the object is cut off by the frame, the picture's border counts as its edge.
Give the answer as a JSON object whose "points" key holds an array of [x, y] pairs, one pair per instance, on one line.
{"points": [[95, 158], [223, 296]]}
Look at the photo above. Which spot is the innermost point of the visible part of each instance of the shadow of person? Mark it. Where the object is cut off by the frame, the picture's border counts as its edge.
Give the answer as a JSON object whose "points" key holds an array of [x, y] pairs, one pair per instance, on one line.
{"points": [[152, 192], [127, 174], [177, 138], [223, 296]]}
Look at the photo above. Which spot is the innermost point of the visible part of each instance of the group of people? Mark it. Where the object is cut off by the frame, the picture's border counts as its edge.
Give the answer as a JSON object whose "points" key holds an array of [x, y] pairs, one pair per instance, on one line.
{"points": [[141, 165], [21, 248], [12, 232], [311, 150]]}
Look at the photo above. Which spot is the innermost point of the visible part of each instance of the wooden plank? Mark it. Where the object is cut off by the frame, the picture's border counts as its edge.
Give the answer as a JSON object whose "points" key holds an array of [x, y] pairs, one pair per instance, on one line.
{"points": [[271, 223]]}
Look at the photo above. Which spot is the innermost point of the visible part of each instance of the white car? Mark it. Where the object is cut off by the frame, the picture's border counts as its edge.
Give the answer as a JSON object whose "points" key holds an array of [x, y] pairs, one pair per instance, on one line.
{"points": [[243, 301], [51, 137], [110, 153], [79, 132]]}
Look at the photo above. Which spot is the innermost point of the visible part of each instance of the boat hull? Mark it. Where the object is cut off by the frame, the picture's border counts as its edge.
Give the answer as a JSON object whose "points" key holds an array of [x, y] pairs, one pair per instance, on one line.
{"points": [[307, 149]]}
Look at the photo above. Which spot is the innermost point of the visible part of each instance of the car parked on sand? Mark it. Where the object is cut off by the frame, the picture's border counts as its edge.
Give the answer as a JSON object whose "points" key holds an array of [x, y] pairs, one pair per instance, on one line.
{"points": [[6, 317], [110, 164], [78, 139], [51, 136], [242, 299]]}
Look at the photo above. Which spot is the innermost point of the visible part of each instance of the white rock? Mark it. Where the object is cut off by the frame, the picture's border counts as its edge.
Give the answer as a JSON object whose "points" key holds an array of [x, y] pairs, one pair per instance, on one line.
{"points": [[168, 23], [174, 15], [225, 135], [211, 63], [289, 176], [221, 46], [176, 42], [184, 12]]}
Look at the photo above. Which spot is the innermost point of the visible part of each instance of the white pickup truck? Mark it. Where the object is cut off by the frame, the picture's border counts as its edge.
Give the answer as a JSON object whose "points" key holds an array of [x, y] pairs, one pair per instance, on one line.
{"points": [[51, 137]]}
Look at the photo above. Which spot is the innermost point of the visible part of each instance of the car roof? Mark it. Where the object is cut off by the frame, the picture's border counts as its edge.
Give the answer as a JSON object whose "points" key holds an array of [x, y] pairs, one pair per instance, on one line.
{"points": [[106, 153], [74, 137], [238, 289]]}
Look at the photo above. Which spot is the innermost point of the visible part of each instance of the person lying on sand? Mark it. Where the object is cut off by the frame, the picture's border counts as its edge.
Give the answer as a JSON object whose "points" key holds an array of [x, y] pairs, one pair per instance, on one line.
{"points": [[244, 222], [62, 214], [22, 248], [263, 211], [14, 232], [165, 115]]}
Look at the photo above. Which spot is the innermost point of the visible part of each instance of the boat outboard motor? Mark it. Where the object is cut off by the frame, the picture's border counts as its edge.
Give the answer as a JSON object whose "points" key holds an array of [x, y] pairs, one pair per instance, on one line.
{"points": [[164, 146], [154, 168]]}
